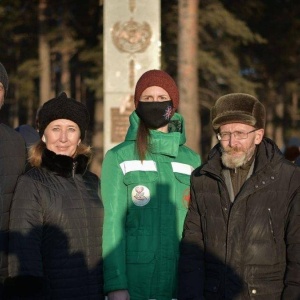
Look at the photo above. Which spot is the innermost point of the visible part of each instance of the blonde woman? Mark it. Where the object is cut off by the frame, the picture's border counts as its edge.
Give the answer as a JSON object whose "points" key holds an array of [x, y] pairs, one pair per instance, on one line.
{"points": [[56, 215]]}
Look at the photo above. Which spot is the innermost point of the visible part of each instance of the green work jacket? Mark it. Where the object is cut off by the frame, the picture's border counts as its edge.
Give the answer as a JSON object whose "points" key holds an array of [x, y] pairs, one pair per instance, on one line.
{"points": [[145, 204]]}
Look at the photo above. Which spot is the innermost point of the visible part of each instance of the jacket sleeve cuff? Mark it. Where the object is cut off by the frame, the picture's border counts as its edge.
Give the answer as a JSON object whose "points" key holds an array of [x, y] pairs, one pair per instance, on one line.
{"points": [[114, 280]]}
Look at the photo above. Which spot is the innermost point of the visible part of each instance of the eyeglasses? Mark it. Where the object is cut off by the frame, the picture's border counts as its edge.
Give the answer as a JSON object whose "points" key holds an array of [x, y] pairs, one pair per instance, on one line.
{"points": [[239, 135]]}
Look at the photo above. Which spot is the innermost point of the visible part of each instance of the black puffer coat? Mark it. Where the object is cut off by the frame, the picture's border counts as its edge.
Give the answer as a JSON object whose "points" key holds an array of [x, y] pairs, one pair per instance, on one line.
{"points": [[56, 231], [250, 249], [12, 165]]}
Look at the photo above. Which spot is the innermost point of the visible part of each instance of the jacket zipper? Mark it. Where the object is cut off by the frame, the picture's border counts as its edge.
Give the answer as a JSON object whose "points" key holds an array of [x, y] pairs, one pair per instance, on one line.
{"points": [[204, 226], [271, 224], [74, 169]]}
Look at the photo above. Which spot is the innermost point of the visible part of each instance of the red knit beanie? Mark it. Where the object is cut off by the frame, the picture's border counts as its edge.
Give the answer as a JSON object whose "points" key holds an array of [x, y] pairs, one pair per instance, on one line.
{"points": [[157, 78]]}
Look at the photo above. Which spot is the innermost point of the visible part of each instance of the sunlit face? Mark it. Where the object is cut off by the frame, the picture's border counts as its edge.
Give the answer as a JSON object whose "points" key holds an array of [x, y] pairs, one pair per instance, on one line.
{"points": [[2, 92], [62, 136], [154, 93], [236, 153]]}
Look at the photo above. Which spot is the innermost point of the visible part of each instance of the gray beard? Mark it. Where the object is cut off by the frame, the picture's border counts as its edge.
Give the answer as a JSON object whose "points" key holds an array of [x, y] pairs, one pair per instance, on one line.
{"points": [[232, 162]]}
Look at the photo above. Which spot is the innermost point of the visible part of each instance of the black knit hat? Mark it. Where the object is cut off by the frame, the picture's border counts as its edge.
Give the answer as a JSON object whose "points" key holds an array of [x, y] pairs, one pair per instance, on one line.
{"points": [[63, 107], [238, 108], [4, 78]]}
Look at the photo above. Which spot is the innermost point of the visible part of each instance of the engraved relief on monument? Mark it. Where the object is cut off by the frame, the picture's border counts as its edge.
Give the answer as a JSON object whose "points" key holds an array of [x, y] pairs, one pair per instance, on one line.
{"points": [[129, 37]]}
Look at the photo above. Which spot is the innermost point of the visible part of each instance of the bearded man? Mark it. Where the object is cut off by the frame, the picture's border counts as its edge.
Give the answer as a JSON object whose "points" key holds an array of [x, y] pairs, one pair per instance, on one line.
{"points": [[241, 236]]}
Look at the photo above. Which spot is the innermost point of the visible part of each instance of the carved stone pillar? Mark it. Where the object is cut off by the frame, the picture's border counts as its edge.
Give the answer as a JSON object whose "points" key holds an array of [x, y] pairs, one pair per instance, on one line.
{"points": [[131, 47]]}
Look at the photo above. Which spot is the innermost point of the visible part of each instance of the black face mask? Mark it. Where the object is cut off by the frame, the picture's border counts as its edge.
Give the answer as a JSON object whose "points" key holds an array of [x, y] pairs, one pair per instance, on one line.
{"points": [[155, 114]]}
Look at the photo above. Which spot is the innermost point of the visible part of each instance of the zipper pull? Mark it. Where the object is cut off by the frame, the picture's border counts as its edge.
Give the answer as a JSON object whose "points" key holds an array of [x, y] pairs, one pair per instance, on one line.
{"points": [[74, 168], [271, 224]]}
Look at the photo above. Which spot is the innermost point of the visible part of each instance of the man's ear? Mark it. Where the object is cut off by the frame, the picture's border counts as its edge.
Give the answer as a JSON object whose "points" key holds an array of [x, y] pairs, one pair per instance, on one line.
{"points": [[259, 134]]}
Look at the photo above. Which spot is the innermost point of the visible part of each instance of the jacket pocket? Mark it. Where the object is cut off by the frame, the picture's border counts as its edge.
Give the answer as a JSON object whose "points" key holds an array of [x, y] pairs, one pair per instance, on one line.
{"points": [[183, 178], [271, 225], [140, 266], [141, 189], [272, 290], [265, 280], [140, 177], [182, 190]]}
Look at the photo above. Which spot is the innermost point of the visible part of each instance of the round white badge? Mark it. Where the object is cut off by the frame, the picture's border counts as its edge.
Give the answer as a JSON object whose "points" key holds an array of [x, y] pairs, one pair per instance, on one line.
{"points": [[140, 195]]}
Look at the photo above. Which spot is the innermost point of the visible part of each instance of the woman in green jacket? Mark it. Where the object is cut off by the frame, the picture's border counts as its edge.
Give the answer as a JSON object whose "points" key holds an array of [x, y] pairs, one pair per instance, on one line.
{"points": [[145, 189]]}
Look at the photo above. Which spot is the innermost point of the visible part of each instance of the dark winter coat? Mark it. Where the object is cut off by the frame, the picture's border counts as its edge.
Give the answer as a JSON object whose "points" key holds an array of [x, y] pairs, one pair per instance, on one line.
{"points": [[12, 164], [249, 249], [55, 231]]}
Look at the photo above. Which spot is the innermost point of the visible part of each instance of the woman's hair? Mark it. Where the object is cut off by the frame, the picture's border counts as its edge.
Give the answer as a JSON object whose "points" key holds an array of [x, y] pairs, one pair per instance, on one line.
{"points": [[142, 140], [36, 150]]}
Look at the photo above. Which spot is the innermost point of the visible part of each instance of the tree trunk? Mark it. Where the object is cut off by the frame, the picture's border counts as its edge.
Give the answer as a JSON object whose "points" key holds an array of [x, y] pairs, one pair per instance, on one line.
{"points": [[44, 55], [188, 70], [294, 108], [97, 138], [66, 51], [279, 130], [65, 73]]}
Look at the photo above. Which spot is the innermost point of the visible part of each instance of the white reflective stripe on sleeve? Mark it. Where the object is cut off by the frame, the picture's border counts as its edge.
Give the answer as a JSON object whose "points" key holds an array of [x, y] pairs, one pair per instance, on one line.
{"points": [[182, 168], [137, 165]]}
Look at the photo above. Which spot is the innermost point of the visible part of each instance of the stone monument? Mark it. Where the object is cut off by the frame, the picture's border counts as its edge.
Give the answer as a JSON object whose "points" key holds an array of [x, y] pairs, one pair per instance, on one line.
{"points": [[132, 46]]}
